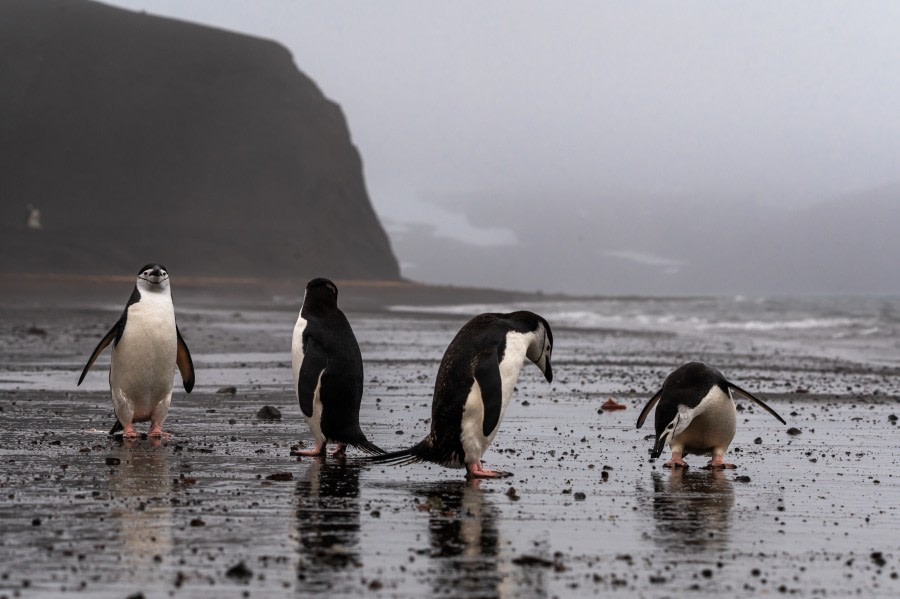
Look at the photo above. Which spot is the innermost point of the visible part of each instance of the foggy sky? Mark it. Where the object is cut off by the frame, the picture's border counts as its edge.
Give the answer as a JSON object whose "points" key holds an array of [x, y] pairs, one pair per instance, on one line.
{"points": [[769, 104]]}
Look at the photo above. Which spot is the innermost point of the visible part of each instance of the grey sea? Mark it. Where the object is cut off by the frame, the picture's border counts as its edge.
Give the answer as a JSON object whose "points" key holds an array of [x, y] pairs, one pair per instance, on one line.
{"points": [[222, 509]]}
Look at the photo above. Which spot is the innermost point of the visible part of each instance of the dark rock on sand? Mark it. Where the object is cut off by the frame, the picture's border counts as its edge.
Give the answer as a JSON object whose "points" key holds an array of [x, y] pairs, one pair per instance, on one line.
{"points": [[269, 413], [240, 572], [794, 431], [227, 390]]}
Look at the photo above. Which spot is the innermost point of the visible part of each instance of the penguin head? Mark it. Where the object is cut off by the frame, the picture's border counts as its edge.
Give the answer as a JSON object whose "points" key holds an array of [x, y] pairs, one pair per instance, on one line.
{"points": [[541, 347], [320, 294], [678, 423], [153, 277]]}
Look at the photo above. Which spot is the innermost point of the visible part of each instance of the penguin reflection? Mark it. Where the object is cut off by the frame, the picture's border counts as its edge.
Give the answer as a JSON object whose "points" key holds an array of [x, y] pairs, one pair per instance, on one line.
{"points": [[464, 539], [141, 482], [692, 508], [328, 523]]}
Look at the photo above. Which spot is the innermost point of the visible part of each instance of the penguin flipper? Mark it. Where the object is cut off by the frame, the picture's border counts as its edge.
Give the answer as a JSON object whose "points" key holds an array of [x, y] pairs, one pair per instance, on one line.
{"points": [[732, 388], [311, 370], [114, 334], [487, 373], [185, 364], [646, 411]]}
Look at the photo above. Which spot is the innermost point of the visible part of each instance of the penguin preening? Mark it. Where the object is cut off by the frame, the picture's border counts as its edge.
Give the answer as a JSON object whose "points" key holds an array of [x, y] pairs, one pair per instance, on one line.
{"points": [[696, 414], [328, 372], [146, 348], [474, 384]]}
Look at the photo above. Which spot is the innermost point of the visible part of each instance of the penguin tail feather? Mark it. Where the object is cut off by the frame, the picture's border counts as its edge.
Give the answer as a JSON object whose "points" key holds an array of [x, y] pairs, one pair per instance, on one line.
{"points": [[368, 447], [117, 428], [414, 455]]}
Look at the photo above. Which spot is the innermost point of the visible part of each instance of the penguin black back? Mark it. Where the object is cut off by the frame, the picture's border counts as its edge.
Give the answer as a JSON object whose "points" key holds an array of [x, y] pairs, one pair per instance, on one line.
{"points": [[332, 364]]}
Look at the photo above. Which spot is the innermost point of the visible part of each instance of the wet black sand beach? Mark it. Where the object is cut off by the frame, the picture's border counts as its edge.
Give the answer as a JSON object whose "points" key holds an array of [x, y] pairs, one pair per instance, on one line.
{"points": [[222, 509]]}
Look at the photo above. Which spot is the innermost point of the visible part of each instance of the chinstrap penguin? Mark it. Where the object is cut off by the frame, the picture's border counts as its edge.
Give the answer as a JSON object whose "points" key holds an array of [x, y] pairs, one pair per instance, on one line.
{"points": [[146, 348], [696, 414], [328, 372], [474, 384]]}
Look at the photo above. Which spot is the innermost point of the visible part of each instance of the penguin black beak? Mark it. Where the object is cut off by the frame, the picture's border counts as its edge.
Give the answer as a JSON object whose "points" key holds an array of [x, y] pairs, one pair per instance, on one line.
{"points": [[548, 370], [155, 272], [658, 447]]}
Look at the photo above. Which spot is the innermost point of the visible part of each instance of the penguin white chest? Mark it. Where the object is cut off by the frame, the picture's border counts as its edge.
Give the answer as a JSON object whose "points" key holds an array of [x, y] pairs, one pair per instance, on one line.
{"points": [[315, 421], [142, 368], [712, 424], [474, 441]]}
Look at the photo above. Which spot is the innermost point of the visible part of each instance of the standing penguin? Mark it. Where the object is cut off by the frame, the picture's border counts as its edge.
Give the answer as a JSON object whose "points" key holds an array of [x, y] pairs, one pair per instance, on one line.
{"points": [[328, 372], [147, 346], [474, 384], [696, 414]]}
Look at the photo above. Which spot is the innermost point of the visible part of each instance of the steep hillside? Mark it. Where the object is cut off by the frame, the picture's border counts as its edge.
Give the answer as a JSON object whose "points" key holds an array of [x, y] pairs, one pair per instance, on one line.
{"points": [[147, 139]]}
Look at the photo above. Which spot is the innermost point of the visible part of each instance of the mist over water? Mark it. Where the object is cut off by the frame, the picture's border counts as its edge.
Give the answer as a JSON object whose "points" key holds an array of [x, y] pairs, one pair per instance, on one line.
{"points": [[860, 330]]}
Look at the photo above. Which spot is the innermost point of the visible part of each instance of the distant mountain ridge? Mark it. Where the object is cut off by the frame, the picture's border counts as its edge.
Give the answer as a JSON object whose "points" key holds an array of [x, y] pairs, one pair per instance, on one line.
{"points": [[144, 138]]}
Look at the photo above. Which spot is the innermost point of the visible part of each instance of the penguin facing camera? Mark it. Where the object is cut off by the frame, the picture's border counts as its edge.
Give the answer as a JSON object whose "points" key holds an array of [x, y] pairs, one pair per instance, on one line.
{"points": [[696, 414], [474, 384], [146, 348]]}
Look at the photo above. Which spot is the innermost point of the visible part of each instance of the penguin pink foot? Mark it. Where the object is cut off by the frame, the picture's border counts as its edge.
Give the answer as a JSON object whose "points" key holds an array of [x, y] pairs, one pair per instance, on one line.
{"points": [[718, 463], [157, 431], [477, 470], [315, 451], [130, 433], [676, 461]]}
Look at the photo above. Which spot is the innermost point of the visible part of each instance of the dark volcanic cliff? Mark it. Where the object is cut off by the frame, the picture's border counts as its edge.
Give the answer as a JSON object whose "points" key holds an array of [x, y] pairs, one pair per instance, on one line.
{"points": [[147, 139]]}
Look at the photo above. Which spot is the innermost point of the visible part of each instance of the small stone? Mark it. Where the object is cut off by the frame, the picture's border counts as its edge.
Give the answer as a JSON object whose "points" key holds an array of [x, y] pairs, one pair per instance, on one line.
{"points": [[269, 413], [742, 479], [758, 440], [532, 560], [240, 571], [579, 496], [878, 558], [794, 431], [197, 522], [227, 390], [281, 476], [511, 493], [113, 461]]}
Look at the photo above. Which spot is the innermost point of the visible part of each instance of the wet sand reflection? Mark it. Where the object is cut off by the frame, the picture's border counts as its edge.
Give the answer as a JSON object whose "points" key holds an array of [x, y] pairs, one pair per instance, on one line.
{"points": [[328, 524], [464, 540], [691, 508], [140, 485]]}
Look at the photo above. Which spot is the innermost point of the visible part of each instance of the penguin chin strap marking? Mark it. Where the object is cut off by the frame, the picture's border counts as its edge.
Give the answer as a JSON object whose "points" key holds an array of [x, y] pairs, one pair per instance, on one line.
{"points": [[159, 282]]}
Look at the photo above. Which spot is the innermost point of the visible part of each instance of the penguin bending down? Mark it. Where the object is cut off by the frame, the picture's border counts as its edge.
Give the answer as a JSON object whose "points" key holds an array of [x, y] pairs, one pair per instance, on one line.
{"points": [[696, 414], [146, 348], [475, 382], [328, 372]]}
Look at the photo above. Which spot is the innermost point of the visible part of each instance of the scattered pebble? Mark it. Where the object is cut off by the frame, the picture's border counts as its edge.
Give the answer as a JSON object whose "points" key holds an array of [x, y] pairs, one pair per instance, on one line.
{"points": [[794, 431], [240, 572], [227, 390], [269, 413]]}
